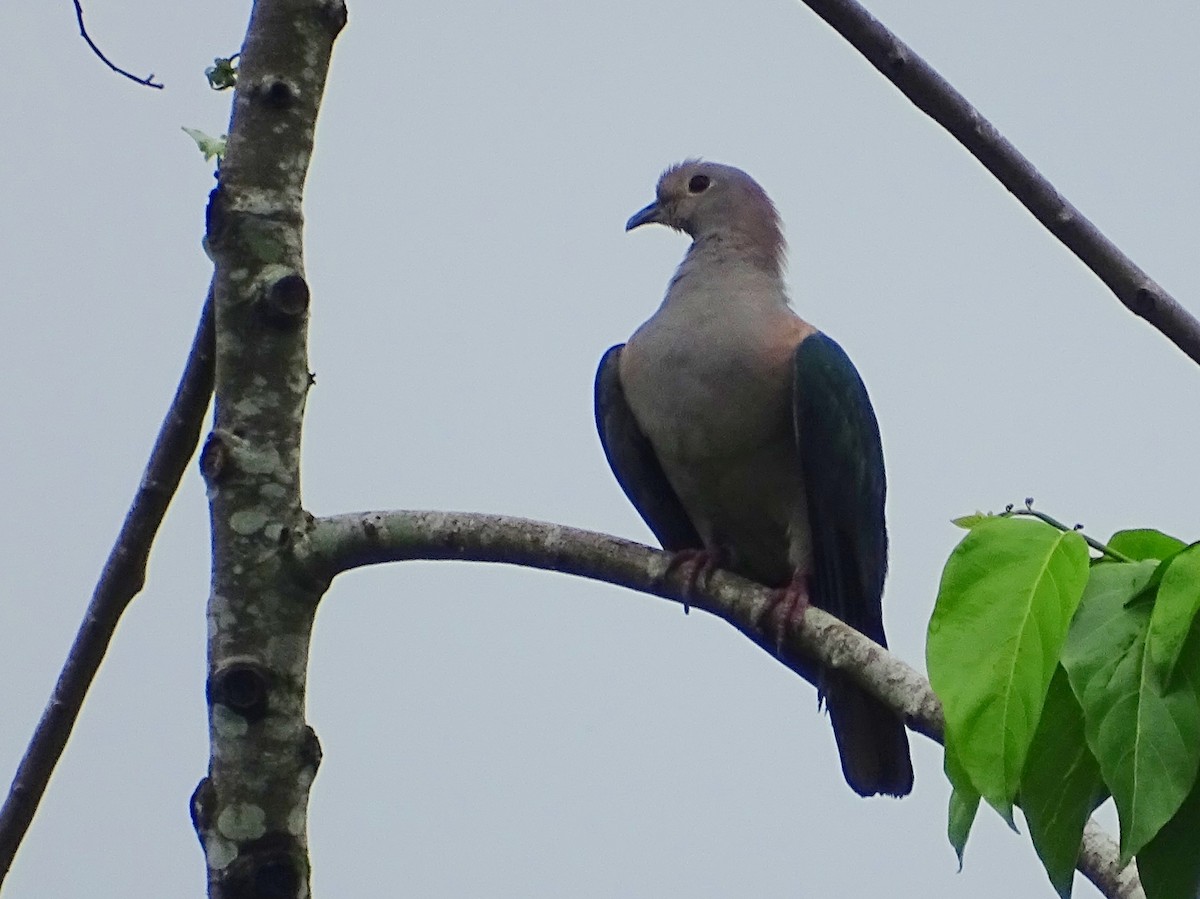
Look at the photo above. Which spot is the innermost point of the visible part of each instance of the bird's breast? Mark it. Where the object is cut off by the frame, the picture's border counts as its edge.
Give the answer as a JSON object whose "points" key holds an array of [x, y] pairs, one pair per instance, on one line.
{"points": [[706, 385], [713, 395]]}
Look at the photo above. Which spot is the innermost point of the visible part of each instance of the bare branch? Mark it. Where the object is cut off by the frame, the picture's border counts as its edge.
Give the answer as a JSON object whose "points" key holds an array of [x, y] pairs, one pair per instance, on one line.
{"points": [[83, 32], [934, 96], [122, 579], [340, 543]]}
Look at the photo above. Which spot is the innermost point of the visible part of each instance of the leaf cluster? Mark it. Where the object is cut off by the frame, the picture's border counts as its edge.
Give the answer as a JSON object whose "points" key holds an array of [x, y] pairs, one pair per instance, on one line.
{"points": [[1067, 679]]}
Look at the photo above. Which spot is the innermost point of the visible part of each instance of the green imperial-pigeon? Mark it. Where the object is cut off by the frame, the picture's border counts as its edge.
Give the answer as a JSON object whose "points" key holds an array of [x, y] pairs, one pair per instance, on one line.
{"points": [[745, 438]]}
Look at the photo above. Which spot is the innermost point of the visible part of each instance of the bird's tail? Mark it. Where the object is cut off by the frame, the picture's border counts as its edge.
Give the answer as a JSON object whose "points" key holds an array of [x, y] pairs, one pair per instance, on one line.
{"points": [[870, 738]]}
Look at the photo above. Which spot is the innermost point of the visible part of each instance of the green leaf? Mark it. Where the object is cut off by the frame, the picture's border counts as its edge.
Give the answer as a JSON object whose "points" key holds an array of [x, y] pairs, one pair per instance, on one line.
{"points": [[222, 74], [1145, 543], [964, 804], [966, 522], [1145, 737], [1061, 784], [210, 146], [1007, 595], [1175, 608], [1169, 865]]}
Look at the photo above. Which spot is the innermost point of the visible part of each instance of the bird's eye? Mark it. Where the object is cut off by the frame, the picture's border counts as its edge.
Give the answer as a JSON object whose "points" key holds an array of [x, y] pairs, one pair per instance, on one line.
{"points": [[699, 184]]}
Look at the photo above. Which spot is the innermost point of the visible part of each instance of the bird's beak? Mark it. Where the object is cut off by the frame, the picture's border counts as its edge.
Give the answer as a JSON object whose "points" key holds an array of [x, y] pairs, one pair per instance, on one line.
{"points": [[650, 215]]}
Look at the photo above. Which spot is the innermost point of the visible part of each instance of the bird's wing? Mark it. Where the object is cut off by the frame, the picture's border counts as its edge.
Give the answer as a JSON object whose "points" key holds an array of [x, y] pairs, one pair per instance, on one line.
{"points": [[841, 456], [633, 461], [842, 459]]}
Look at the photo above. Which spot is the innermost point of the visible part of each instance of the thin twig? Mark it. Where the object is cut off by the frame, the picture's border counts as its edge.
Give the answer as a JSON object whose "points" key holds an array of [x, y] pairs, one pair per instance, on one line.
{"points": [[934, 96], [343, 542], [1095, 544], [83, 32], [121, 580]]}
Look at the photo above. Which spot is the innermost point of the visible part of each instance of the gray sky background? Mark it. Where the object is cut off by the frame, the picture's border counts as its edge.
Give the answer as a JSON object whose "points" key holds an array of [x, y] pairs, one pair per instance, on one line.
{"points": [[496, 732]]}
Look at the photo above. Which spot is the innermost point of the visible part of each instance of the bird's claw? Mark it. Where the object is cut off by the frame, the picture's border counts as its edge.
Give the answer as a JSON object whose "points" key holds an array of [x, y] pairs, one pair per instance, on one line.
{"points": [[699, 564], [785, 610]]}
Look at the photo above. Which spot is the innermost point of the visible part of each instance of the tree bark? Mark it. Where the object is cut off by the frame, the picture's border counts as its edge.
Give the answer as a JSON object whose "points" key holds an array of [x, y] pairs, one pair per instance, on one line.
{"points": [[250, 812]]}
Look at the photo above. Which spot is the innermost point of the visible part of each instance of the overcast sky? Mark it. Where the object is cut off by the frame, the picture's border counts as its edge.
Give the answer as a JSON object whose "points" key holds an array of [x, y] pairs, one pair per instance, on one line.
{"points": [[502, 733]]}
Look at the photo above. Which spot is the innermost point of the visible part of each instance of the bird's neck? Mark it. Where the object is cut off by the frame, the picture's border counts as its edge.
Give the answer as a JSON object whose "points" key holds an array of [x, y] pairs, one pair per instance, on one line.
{"points": [[714, 258], [716, 276], [762, 251]]}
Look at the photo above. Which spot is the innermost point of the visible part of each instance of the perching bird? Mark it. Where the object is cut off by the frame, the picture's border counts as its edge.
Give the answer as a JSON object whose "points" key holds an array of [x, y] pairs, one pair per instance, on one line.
{"points": [[745, 438]]}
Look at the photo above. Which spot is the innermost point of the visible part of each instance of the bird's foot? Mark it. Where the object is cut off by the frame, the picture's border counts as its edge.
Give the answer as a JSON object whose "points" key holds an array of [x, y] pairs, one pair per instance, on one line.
{"points": [[785, 609], [698, 565]]}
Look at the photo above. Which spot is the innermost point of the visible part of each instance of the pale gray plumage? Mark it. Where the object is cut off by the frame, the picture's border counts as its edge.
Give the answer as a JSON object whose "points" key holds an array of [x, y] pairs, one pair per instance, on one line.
{"points": [[737, 428]]}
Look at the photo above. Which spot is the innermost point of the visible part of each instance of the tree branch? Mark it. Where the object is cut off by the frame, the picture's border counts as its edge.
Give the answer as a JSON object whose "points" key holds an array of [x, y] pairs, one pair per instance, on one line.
{"points": [[250, 811], [340, 543], [122, 579], [148, 81], [350, 541], [934, 96], [1100, 862]]}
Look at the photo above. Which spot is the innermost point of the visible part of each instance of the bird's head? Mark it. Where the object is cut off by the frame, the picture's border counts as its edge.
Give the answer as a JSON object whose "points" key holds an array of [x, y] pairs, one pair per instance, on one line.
{"points": [[710, 200]]}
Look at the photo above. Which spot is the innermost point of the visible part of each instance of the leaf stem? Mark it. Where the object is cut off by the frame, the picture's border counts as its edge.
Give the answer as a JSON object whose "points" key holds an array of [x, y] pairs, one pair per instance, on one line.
{"points": [[1054, 522]]}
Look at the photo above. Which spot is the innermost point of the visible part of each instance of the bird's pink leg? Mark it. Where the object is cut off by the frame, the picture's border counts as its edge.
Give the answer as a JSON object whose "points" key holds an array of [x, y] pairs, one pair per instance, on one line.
{"points": [[698, 564], [785, 609]]}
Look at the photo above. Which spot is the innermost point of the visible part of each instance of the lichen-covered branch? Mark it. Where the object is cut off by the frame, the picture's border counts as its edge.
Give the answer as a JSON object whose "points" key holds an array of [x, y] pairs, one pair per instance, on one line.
{"points": [[121, 580], [934, 96], [329, 546], [1100, 862], [250, 812], [340, 543], [348, 541]]}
